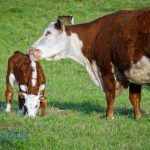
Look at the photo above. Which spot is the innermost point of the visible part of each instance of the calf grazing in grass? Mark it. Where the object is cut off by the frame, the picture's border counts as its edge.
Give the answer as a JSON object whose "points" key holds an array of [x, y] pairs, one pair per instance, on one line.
{"points": [[114, 49], [31, 80]]}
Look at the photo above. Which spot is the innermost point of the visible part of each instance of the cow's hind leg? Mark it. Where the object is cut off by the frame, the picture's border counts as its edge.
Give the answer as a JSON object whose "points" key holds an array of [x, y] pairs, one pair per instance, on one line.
{"points": [[9, 91], [109, 83], [135, 98]]}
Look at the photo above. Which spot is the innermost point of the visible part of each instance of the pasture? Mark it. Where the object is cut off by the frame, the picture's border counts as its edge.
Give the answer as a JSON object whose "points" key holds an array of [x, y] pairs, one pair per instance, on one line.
{"points": [[76, 107]]}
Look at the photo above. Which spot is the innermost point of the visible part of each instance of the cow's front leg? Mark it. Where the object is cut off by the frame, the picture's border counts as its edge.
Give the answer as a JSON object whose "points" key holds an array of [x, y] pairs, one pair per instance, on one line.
{"points": [[135, 98], [109, 84]]}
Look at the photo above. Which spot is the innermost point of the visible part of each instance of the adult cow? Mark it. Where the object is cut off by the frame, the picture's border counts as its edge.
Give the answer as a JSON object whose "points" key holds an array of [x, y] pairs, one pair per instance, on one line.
{"points": [[114, 49]]}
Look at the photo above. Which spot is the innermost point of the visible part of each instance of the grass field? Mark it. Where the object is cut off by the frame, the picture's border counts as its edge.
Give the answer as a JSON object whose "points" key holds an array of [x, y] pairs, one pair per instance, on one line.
{"points": [[76, 109]]}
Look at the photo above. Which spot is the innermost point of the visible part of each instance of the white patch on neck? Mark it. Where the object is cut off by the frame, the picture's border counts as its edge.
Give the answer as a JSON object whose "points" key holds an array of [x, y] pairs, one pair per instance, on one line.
{"points": [[34, 73], [12, 79], [94, 72], [8, 107], [75, 49], [139, 72], [75, 53]]}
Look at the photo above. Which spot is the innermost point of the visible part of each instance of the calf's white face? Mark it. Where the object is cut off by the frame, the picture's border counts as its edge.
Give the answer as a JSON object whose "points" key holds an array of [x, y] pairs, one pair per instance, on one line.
{"points": [[32, 103], [53, 42]]}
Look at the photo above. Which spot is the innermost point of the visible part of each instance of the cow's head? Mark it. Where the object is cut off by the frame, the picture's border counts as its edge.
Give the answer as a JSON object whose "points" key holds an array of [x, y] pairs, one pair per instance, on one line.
{"points": [[32, 103], [52, 44]]}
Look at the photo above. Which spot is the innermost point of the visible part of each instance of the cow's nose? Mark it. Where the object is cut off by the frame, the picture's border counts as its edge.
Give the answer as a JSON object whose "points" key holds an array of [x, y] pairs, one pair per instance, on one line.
{"points": [[35, 54]]}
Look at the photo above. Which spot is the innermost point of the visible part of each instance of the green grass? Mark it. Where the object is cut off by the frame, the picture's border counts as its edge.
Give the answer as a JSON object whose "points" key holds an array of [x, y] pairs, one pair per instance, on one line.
{"points": [[76, 109]]}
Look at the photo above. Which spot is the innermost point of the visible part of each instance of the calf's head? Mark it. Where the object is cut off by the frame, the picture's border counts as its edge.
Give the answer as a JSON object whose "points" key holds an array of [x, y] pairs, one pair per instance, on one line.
{"points": [[52, 44], [32, 103]]}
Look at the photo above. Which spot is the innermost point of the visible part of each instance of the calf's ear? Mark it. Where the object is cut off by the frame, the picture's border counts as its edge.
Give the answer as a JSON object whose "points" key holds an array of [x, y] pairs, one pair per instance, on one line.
{"points": [[22, 95], [58, 25]]}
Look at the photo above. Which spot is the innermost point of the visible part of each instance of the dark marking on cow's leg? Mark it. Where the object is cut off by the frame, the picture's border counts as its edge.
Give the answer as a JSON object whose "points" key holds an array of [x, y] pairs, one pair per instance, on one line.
{"points": [[21, 100], [109, 82], [135, 98]]}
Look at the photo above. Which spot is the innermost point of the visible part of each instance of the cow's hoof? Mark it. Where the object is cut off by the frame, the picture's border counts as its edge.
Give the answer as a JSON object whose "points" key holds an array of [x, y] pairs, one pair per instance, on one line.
{"points": [[110, 117], [138, 116], [8, 107], [8, 111]]}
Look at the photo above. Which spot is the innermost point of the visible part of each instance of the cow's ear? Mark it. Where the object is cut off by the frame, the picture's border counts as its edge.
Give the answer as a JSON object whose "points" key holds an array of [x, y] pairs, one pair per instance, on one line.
{"points": [[25, 95], [58, 25], [67, 20], [72, 19]]}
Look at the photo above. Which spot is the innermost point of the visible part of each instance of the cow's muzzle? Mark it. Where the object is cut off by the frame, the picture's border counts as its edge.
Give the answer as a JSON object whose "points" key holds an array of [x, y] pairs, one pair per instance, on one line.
{"points": [[35, 54]]}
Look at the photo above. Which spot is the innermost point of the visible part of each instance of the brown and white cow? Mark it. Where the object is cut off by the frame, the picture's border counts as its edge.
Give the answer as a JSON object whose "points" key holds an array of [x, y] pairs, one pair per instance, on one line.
{"points": [[30, 77], [114, 49]]}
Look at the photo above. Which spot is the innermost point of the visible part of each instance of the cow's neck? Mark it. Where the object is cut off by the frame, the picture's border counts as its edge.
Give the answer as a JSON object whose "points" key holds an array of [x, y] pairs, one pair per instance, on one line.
{"points": [[81, 38]]}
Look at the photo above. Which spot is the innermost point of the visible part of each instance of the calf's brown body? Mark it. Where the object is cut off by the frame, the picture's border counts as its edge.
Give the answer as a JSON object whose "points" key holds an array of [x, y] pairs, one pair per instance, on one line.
{"points": [[20, 71]]}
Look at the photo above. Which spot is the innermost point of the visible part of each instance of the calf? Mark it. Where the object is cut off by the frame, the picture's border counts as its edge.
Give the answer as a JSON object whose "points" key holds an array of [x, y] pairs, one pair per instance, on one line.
{"points": [[114, 49], [31, 80]]}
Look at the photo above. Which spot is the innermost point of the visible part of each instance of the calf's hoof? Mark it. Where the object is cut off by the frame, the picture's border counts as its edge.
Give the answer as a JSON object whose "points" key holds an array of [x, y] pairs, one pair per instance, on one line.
{"points": [[8, 111], [110, 117], [138, 116]]}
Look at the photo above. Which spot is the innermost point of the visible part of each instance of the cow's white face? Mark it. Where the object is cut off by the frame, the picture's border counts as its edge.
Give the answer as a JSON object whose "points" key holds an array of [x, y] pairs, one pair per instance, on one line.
{"points": [[51, 44], [32, 103]]}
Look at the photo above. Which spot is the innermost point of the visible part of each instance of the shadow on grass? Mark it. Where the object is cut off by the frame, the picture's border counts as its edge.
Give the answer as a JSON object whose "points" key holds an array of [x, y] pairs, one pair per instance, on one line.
{"points": [[85, 107], [3, 105], [88, 107]]}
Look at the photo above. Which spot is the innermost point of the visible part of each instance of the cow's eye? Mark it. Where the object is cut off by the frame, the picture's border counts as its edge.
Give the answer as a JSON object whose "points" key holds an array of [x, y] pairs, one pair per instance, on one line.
{"points": [[47, 33], [36, 106]]}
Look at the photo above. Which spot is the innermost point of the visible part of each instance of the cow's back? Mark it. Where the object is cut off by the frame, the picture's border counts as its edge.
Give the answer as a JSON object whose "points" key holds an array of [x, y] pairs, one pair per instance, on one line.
{"points": [[123, 37], [19, 64]]}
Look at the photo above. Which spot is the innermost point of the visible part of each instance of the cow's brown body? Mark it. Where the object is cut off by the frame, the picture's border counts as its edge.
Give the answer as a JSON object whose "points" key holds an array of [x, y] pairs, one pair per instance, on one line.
{"points": [[19, 65], [118, 44]]}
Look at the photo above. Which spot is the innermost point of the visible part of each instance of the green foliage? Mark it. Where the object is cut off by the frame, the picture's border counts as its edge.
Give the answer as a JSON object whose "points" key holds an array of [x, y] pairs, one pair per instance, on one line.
{"points": [[76, 108]]}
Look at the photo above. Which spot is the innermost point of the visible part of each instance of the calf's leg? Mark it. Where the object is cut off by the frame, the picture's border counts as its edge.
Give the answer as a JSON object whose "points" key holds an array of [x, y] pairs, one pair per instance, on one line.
{"points": [[135, 98], [43, 105], [10, 81], [21, 100], [8, 96]]}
